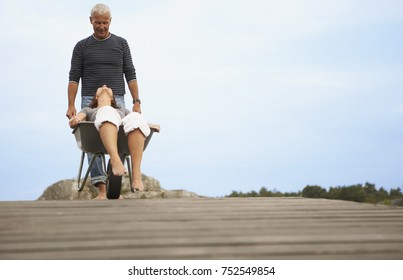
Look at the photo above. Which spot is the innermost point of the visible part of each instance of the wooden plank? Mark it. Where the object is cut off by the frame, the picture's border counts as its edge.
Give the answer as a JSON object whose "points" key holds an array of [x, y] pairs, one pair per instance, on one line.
{"points": [[230, 228]]}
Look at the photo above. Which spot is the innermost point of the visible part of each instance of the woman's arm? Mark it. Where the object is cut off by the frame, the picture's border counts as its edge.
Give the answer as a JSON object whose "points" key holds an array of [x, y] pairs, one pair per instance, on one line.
{"points": [[73, 122]]}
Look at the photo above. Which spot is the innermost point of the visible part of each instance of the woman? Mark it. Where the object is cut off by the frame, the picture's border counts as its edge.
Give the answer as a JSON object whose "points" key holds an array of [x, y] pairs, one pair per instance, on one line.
{"points": [[107, 118]]}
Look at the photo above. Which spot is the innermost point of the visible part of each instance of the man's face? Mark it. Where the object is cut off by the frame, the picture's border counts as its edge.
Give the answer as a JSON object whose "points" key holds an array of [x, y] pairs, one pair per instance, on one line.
{"points": [[100, 23]]}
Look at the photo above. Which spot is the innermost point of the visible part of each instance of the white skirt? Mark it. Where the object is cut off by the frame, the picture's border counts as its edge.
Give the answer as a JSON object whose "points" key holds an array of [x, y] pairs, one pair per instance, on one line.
{"points": [[130, 122]]}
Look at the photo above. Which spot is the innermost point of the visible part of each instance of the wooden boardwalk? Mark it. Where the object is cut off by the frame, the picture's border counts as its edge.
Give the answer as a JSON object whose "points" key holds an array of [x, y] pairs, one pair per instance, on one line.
{"points": [[230, 228]]}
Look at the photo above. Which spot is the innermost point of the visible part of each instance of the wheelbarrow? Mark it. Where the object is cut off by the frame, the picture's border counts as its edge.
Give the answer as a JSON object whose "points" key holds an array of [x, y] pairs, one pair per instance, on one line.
{"points": [[89, 142]]}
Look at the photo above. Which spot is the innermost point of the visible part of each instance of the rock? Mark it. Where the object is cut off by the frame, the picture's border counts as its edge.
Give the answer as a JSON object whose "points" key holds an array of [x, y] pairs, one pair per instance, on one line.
{"points": [[178, 194], [397, 202], [150, 184], [67, 190], [143, 195]]}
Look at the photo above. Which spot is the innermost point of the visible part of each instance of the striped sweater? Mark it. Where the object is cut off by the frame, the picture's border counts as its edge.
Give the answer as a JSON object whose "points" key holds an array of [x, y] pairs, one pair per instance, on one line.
{"points": [[102, 62]]}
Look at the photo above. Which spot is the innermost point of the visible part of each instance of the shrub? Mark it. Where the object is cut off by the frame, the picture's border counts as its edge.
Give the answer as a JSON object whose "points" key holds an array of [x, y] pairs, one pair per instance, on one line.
{"points": [[314, 192]]}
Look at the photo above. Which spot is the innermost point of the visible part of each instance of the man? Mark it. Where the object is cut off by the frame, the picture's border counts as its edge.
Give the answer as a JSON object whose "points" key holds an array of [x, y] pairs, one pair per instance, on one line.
{"points": [[102, 59]]}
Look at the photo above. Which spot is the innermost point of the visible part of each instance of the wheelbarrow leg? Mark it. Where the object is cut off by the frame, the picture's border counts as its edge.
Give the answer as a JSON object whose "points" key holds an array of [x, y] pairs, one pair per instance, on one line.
{"points": [[89, 168], [130, 172], [79, 172], [103, 163]]}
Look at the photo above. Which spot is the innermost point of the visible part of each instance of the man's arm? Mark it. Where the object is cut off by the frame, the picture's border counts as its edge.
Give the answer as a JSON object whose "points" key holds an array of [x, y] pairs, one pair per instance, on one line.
{"points": [[71, 95], [134, 90], [75, 75]]}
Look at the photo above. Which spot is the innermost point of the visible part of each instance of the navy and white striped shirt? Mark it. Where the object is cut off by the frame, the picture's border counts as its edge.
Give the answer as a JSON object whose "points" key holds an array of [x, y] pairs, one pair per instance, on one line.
{"points": [[102, 62]]}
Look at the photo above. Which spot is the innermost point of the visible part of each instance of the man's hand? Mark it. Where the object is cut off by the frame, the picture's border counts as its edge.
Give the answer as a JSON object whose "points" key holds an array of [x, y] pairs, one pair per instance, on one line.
{"points": [[71, 112], [134, 91], [137, 107]]}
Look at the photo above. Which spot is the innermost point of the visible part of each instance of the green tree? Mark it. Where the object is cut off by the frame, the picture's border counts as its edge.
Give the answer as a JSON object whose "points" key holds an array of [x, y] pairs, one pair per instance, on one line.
{"points": [[334, 193], [264, 192], [370, 188], [381, 195], [353, 193], [395, 193], [314, 192], [253, 194], [234, 194]]}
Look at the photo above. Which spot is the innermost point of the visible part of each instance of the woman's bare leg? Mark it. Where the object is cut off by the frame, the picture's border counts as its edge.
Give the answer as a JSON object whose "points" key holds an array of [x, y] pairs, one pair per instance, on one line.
{"points": [[109, 136], [136, 146]]}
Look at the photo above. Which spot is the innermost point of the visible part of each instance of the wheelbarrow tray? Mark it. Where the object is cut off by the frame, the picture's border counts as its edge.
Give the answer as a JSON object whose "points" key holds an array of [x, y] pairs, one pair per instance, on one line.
{"points": [[89, 141]]}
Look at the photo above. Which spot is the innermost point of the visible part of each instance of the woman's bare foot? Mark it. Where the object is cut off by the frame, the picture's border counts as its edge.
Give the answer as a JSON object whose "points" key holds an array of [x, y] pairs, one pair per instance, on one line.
{"points": [[118, 167], [137, 184]]}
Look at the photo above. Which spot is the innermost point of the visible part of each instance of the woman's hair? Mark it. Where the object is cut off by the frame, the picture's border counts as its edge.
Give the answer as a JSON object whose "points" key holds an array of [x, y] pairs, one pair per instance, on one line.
{"points": [[94, 102], [101, 9]]}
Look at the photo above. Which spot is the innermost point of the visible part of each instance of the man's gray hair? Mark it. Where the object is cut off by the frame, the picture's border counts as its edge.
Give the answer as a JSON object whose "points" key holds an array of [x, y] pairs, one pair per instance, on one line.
{"points": [[101, 9]]}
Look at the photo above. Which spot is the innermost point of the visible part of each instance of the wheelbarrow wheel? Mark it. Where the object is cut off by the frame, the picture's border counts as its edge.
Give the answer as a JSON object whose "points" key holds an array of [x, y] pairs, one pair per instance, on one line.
{"points": [[114, 184]]}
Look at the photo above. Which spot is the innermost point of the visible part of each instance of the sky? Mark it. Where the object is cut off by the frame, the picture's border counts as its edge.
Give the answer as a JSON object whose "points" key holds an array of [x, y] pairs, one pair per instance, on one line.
{"points": [[273, 93]]}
